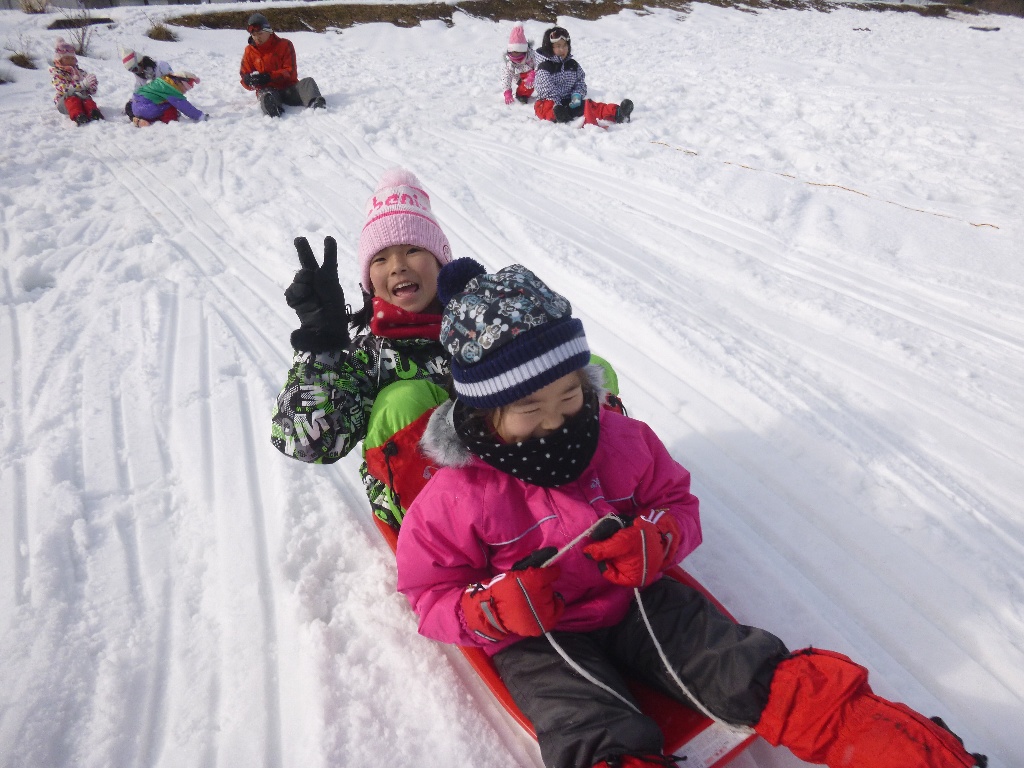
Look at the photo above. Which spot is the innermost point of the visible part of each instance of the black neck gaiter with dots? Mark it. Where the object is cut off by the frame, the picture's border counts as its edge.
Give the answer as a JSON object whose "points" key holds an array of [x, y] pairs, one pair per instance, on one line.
{"points": [[548, 461]]}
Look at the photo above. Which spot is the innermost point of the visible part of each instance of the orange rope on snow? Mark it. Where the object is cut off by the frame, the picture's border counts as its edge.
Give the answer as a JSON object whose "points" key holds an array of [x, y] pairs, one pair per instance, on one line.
{"points": [[834, 186]]}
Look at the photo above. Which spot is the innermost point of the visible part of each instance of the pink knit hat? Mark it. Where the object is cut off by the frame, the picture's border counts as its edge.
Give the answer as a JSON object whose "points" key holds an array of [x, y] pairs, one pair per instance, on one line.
{"points": [[517, 40], [63, 48], [399, 212]]}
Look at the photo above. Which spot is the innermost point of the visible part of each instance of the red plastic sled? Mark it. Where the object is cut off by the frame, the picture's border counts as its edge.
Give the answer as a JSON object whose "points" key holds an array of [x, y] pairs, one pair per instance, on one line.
{"points": [[703, 742]]}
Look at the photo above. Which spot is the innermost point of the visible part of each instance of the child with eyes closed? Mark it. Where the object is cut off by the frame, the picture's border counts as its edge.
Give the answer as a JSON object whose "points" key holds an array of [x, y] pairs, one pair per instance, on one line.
{"points": [[543, 539]]}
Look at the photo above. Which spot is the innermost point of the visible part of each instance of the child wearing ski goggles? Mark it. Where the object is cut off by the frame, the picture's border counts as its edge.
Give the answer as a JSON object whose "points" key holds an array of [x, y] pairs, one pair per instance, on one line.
{"points": [[561, 86]]}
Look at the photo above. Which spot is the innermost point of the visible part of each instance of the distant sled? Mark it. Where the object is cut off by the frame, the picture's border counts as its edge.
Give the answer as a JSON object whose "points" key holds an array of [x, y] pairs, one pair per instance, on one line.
{"points": [[688, 733]]}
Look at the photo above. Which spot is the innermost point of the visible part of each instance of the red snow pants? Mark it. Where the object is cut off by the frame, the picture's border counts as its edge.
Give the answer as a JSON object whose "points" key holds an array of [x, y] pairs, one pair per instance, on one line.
{"points": [[522, 91], [169, 115], [76, 105], [592, 111], [821, 706]]}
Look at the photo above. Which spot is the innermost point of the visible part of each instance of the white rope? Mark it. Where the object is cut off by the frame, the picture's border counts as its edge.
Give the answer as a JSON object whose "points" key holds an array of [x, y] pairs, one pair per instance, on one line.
{"points": [[682, 686], [574, 542], [587, 675], [650, 631]]}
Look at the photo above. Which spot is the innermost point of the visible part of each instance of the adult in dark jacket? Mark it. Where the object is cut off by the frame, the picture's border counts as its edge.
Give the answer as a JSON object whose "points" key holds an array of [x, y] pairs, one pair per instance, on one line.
{"points": [[268, 67], [561, 85]]}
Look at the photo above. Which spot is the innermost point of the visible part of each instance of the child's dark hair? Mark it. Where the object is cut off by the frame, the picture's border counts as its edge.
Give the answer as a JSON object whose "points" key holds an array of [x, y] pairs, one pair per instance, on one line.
{"points": [[561, 32], [360, 319]]}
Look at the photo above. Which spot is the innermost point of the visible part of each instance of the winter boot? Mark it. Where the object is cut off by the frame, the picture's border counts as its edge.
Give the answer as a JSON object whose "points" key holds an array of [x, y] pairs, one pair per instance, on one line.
{"points": [[624, 111], [981, 760], [522, 99], [318, 103], [821, 706], [562, 113], [270, 105], [96, 115], [81, 119]]}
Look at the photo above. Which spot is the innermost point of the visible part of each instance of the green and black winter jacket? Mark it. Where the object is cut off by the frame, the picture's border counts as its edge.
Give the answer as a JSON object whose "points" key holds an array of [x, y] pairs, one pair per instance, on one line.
{"points": [[325, 407]]}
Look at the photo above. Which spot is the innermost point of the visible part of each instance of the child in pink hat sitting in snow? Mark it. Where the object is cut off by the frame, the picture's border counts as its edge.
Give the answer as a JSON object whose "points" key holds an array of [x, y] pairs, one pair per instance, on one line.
{"points": [[520, 64], [75, 87]]}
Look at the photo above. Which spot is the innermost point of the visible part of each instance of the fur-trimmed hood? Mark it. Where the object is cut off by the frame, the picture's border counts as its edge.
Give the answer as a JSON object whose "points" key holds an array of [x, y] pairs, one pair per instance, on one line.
{"points": [[441, 444]]}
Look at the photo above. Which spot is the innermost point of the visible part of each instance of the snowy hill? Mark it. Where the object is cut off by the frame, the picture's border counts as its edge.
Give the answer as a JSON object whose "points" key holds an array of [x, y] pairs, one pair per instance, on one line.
{"points": [[803, 256]]}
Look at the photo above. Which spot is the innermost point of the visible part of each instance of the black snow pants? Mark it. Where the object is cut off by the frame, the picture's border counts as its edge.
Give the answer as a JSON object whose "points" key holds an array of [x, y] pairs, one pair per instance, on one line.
{"points": [[727, 666]]}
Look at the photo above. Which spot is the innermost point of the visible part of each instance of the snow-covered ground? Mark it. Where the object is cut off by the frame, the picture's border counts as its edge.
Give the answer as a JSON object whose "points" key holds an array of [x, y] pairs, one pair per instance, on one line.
{"points": [[803, 257]]}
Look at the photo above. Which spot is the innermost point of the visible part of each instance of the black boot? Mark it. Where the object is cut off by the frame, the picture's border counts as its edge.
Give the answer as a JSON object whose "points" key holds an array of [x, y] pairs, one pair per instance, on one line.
{"points": [[270, 105], [96, 115], [81, 120], [981, 761], [624, 111], [522, 99], [562, 113], [318, 103]]}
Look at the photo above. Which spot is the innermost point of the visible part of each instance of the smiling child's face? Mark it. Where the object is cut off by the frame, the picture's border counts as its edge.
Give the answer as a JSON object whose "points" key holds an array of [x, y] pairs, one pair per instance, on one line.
{"points": [[541, 413], [406, 276]]}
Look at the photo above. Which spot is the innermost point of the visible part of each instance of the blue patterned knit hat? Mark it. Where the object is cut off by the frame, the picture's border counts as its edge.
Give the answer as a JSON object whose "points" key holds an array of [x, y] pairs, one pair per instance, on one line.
{"points": [[508, 333]]}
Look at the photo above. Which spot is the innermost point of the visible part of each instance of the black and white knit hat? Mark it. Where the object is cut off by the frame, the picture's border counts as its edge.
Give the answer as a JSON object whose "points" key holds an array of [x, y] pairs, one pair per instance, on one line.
{"points": [[508, 333]]}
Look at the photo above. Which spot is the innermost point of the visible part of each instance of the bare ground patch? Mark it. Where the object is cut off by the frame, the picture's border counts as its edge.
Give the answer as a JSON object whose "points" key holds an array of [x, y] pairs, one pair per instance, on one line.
{"points": [[323, 16]]}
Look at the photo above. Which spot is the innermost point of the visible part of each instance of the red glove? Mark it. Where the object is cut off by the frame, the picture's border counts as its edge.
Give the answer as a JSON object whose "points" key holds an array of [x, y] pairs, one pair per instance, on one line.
{"points": [[634, 556], [517, 602]]}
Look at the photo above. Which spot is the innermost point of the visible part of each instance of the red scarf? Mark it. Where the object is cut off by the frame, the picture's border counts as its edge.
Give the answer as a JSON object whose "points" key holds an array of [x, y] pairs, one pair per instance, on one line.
{"points": [[393, 322]]}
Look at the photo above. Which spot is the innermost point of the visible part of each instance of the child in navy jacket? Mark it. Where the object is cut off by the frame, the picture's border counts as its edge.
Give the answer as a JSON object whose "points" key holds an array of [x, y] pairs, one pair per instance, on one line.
{"points": [[561, 85]]}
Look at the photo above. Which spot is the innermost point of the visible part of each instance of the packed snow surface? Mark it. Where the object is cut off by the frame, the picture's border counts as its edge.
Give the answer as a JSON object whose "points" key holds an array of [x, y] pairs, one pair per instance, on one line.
{"points": [[803, 257]]}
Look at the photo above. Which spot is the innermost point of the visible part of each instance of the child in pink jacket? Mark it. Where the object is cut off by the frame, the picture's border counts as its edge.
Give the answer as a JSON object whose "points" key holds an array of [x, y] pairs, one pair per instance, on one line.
{"points": [[75, 87], [543, 540], [518, 67]]}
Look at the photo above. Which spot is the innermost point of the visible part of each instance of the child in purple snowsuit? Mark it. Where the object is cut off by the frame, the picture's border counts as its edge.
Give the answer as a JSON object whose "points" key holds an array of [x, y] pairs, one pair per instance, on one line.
{"points": [[163, 98]]}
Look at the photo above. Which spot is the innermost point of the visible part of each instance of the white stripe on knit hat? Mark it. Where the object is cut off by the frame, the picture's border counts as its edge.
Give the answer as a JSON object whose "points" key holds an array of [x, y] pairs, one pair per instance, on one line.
{"points": [[524, 372]]}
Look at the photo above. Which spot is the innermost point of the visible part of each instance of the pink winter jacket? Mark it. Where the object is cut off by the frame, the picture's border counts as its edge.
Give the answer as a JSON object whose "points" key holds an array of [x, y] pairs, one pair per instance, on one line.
{"points": [[472, 522]]}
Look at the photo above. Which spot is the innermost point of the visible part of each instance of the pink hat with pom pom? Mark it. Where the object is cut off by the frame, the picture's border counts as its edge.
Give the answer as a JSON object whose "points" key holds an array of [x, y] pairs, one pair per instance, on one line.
{"points": [[399, 212], [63, 48], [517, 40]]}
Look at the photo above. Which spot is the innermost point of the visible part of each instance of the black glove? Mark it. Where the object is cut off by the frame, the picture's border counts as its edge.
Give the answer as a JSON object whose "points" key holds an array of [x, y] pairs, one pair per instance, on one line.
{"points": [[316, 296], [257, 79]]}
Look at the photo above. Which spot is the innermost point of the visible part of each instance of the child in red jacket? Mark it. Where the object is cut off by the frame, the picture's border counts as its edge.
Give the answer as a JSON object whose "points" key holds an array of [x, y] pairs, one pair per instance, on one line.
{"points": [[543, 540], [75, 87]]}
